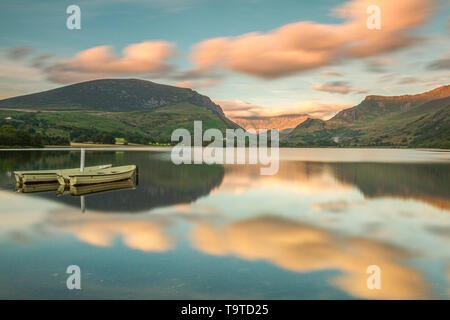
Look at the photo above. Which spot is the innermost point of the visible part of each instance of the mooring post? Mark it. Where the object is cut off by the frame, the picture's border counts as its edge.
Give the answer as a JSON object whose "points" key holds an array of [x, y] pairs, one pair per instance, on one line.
{"points": [[136, 175], [82, 159], [83, 204]]}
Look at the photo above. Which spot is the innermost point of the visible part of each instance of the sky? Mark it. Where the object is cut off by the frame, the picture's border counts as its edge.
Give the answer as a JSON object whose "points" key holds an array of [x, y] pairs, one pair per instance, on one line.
{"points": [[253, 57]]}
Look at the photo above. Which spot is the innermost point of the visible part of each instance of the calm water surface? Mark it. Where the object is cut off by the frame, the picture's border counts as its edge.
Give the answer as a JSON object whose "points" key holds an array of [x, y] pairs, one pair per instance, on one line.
{"points": [[225, 231]]}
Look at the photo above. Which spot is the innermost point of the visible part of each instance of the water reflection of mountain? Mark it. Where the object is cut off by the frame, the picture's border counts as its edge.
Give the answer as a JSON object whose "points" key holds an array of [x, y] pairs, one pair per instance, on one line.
{"points": [[425, 182], [161, 183]]}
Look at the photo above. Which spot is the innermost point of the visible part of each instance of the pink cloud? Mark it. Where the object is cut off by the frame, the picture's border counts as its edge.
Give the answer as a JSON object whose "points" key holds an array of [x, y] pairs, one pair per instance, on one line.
{"points": [[184, 84], [303, 46], [331, 73], [341, 87], [289, 49], [197, 84], [238, 108], [100, 62]]}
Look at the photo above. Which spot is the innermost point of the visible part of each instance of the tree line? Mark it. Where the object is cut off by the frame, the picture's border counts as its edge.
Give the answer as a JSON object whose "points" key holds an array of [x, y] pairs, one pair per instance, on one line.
{"points": [[10, 136]]}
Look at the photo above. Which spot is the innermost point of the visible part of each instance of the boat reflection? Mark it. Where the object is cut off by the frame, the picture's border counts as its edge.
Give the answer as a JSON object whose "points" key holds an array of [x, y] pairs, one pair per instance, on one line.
{"points": [[95, 188], [75, 190], [81, 191]]}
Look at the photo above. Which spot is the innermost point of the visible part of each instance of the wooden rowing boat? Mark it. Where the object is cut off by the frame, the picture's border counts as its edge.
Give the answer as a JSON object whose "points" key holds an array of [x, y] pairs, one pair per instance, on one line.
{"points": [[35, 176], [40, 176], [98, 176], [101, 187], [37, 187]]}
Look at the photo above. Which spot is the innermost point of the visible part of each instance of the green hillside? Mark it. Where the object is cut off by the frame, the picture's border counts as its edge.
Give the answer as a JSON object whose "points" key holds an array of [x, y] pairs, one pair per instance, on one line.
{"points": [[421, 120], [100, 111], [111, 95]]}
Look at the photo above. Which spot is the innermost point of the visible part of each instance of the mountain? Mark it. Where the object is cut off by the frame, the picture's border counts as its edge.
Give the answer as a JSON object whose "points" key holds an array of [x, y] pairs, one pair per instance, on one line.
{"points": [[280, 122], [373, 106], [138, 110], [113, 95], [421, 120]]}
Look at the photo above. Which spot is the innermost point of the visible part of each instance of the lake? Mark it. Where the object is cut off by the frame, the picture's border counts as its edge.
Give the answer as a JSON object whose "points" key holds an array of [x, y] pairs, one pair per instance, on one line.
{"points": [[227, 232]]}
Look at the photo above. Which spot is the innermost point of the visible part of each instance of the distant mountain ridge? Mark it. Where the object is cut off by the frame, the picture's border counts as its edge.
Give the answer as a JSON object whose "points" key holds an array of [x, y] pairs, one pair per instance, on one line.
{"points": [[421, 120], [280, 122]]}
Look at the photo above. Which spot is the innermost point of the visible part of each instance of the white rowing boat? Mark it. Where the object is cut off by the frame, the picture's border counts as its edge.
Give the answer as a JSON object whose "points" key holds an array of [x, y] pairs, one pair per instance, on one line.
{"points": [[39, 176], [97, 176]]}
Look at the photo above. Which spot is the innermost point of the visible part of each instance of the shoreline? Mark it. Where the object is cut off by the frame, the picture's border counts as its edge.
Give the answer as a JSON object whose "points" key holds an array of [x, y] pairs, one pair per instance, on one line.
{"points": [[137, 146]]}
